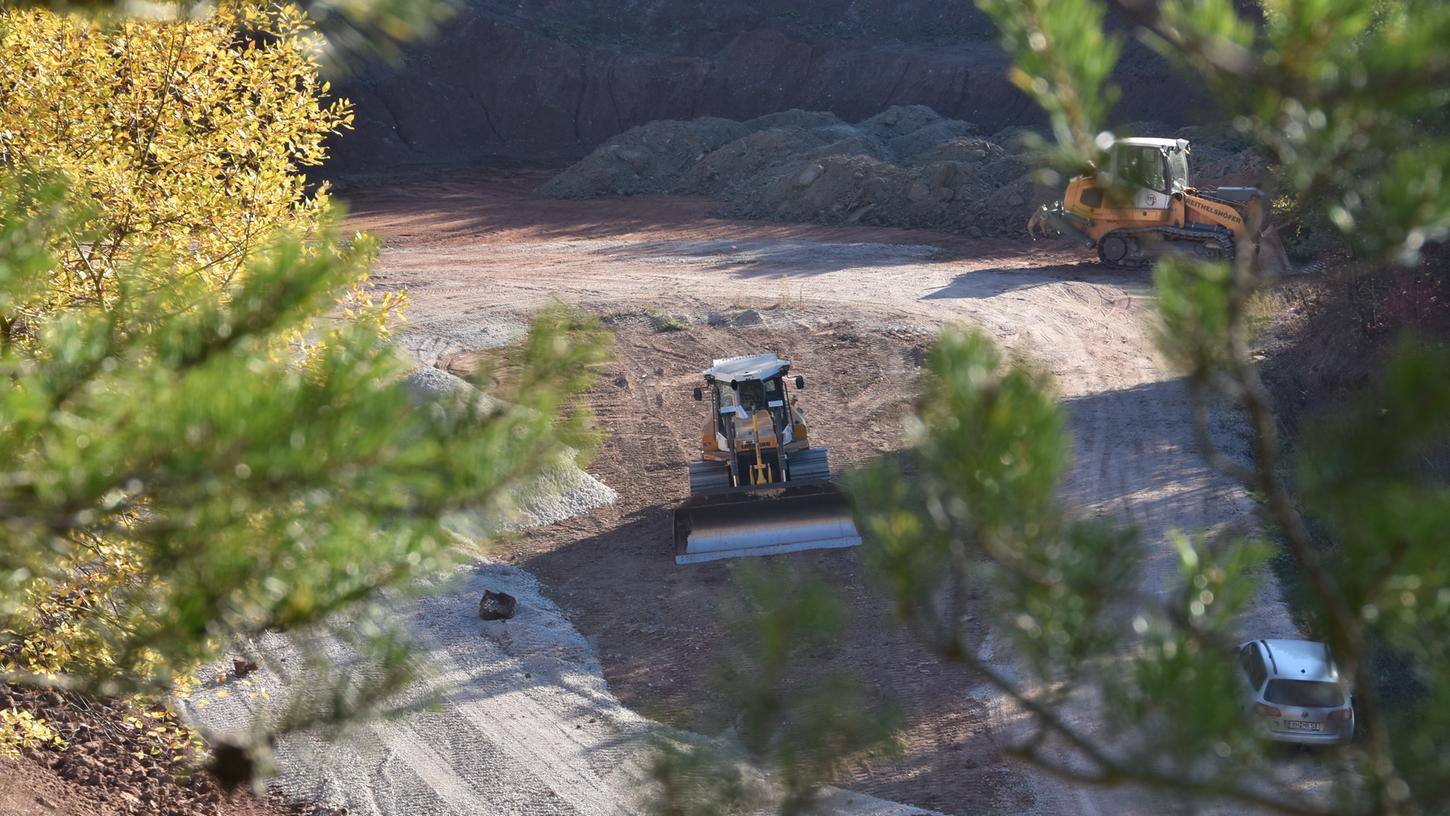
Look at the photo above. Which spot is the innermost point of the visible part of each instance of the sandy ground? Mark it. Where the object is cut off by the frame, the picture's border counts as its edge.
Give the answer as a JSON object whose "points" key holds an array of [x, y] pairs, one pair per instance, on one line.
{"points": [[853, 307], [512, 717]]}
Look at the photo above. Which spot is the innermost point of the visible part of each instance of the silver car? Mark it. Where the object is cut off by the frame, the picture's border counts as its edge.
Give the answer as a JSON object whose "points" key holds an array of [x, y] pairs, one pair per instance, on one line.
{"points": [[1293, 692]]}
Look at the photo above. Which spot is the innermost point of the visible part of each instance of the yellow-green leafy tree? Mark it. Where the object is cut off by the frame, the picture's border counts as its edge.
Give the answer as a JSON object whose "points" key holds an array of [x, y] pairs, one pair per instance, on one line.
{"points": [[187, 137], [178, 469], [182, 142]]}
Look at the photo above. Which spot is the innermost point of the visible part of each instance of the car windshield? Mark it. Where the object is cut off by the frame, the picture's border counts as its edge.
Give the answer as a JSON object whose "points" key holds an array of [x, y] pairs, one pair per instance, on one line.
{"points": [[1304, 693]]}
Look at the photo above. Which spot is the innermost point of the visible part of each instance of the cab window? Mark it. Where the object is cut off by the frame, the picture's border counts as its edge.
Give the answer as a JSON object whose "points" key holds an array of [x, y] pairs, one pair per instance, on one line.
{"points": [[773, 391], [726, 395], [1143, 167], [1178, 169], [752, 395]]}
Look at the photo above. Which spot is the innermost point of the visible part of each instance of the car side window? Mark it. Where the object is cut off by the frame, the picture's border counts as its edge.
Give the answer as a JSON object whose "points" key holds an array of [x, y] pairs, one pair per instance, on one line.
{"points": [[1257, 672]]}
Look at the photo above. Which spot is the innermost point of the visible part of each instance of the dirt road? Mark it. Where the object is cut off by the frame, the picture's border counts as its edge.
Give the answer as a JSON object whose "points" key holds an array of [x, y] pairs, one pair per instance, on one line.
{"points": [[853, 308]]}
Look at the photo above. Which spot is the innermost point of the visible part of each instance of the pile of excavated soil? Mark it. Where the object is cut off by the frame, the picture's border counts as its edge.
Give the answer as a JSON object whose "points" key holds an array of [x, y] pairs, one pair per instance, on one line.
{"points": [[905, 167], [646, 159], [1246, 168]]}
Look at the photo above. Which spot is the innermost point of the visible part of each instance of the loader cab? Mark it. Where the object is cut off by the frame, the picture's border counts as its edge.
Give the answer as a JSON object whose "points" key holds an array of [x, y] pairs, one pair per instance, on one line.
{"points": [[1153, 169], [742, 386]]}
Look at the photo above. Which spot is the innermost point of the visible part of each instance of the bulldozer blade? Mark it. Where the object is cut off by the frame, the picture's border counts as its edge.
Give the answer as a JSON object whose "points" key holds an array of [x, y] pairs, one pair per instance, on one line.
{"points": [[763, 521], [1273, 260], [1051, 221]]}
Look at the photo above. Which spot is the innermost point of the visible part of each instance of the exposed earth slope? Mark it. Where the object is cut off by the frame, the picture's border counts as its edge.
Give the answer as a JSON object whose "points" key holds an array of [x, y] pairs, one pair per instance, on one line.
{"points": [[551, 79]]}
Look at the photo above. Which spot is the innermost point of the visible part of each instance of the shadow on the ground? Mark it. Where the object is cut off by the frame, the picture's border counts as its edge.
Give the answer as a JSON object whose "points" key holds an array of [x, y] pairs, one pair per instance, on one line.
{"points": [[665, 650], [774, 257], [980, 284]]}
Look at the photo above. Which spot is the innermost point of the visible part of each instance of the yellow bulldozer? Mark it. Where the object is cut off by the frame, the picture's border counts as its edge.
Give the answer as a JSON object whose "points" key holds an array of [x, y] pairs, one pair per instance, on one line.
{"points": [[1143, 207], [760, 486]]}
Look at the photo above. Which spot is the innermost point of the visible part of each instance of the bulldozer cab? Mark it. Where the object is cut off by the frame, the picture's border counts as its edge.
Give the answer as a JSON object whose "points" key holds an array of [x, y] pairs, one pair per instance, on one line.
{"points": [[743, 387], [1152, 169]]}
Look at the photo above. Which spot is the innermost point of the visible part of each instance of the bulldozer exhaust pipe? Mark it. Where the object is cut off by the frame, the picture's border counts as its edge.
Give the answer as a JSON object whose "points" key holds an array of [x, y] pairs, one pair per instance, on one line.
{"points": [[771, 520]]}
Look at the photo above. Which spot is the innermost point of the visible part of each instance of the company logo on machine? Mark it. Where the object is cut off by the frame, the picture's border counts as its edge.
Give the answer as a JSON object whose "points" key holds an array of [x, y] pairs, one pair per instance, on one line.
{"points": [[1227, 215]]}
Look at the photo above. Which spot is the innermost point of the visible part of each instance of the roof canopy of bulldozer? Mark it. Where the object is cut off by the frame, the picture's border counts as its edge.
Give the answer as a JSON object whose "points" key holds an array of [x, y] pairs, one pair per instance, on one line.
{"points": [[754, 367], [1162, 144]]}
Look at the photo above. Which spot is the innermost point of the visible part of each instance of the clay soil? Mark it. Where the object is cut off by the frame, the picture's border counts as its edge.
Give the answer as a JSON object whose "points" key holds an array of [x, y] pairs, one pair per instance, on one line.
{"points": [[854, 308], [658, 627]]}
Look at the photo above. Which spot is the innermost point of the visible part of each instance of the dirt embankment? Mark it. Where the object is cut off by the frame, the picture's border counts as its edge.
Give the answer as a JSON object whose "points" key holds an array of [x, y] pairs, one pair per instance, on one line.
{"points": [[1336, 331], [906, 166], [116, 761], [550, 79]]}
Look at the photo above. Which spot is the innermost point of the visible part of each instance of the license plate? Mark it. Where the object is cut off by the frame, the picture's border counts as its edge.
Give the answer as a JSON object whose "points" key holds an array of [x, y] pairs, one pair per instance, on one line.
{"points": [[1303, 725]]}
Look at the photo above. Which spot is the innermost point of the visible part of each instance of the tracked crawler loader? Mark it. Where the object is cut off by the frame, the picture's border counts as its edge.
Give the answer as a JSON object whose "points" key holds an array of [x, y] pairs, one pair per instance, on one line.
{"points": [[760, 486], [1142, 208]]}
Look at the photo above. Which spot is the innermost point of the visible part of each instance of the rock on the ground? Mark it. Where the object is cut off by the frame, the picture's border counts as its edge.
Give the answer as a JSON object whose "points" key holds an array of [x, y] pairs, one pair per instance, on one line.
{"points": [[749, 317], [669, 322], [497, 605]]}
